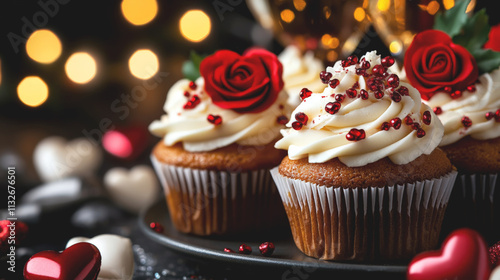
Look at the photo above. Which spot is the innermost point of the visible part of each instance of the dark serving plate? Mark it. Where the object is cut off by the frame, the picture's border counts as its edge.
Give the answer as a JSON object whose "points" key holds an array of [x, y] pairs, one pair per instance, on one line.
{"points": [[286, 259]]}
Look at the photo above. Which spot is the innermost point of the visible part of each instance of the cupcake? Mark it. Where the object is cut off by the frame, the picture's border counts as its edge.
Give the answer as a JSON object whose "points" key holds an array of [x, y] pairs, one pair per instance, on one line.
{"points": [[464, 91], [218, 145], [300, 71], [363, 179]]}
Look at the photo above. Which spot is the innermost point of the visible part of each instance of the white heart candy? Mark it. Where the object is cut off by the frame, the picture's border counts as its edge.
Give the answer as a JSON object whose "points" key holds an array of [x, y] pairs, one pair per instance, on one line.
{"points": [[495, 274], [55, 158], [133, 190], [117, 257]]}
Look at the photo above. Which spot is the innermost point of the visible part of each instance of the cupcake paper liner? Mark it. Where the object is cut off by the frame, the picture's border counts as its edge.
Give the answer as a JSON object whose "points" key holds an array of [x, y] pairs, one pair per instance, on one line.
{"points": [[208, 202], [365, 224], [475, 203]]}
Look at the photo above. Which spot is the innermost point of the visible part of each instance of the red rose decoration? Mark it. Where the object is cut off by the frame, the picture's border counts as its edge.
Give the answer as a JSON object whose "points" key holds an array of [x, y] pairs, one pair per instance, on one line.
{"points": [[433, 62], [246, 84], [493, 42]]}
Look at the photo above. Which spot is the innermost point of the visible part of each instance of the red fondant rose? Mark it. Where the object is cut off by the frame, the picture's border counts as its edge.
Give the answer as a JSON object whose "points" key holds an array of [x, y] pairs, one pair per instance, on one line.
{"points": [[433, 62], [246, 84], [493, 39]]}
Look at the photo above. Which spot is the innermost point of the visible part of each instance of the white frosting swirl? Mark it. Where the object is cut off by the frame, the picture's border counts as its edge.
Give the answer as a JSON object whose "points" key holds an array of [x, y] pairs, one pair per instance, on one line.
{"points": [[474, 105], [191, 127], [300, 71], [324, 136]]}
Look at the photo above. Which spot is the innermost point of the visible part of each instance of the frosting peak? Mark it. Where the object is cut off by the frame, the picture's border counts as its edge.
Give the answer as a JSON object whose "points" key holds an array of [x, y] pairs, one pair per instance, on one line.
{"points": [[365, 114]]}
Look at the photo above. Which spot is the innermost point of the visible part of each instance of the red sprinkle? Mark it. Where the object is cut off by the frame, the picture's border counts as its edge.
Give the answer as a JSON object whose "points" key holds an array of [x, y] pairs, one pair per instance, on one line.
{"points": [[332, 107], [355, 134], [214, 119], [266, 249], [305, 93], [192, 85], [466, 121], [193, 102], [282, 120], [297, 125], [156, 227], [245, 249], [426, 117]]}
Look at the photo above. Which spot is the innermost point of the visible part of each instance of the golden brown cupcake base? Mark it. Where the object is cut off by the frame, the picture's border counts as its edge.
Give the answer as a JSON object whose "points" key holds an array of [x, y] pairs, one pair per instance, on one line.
{"points": [[475, 156], [380, 173]]}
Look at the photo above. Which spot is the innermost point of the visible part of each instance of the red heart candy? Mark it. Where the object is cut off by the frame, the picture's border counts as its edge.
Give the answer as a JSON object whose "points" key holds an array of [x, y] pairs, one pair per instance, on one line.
{"points": [[81, 261], [463, 256]]}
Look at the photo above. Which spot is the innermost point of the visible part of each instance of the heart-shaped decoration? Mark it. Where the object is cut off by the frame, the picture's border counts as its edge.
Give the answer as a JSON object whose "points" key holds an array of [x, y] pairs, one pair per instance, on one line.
{"points": [[495, 274], [117, 257], [81, 261], [55, 158], [132, 190], [126, 142], [463, 256]]}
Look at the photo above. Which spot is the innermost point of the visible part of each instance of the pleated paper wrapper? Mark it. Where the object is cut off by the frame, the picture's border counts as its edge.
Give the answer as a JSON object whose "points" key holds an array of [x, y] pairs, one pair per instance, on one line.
{"points": [[373, 224], [475, 203], [208, 202]]}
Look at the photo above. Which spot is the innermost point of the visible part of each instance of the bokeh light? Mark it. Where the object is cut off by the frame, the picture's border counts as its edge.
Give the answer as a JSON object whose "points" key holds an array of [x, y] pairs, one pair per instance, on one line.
{"points": [[43, 46], [359, 14], [143, 64], [32, 91], [195, 25], [287, 15], [81, 67], [139, 12]]}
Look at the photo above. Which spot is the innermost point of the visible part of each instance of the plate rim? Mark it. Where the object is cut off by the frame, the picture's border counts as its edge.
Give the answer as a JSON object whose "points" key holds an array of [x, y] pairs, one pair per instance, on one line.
{"points": [[207, 253]]}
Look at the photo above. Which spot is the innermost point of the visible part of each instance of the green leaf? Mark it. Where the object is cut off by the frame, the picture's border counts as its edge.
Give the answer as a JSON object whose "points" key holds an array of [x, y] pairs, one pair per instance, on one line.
{"points": [[191, 67], [487, 60], [452, 20], [475, 32]]}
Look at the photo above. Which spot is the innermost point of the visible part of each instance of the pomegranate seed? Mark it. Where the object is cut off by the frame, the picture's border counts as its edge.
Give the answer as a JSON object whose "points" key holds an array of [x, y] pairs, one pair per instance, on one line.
{"points": [[364, 94], [305, 93], [334, 83], [301, 117], [403, 91], [351, 60], [282, 120], [365, 64], [393, 80], [340, 97], [355, 134], [448, 89], [297, 125], [385, 126], [360, 71], [378, 94], [471, 88], [497, 115], [325, 76], [437, 110], [489, 115], [351, 92], [456, 94], [355, 85], [420, 133], [466, 121], [187, 94], [426, 118], [396, 123], [388, 61], [415, 126], [266, 249], [396, 97], [193, 102], [378, 70], [332, 107], [408, 120], [214, 119], [192, 85], [228, 250], [375, 84], [245, 249]]}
